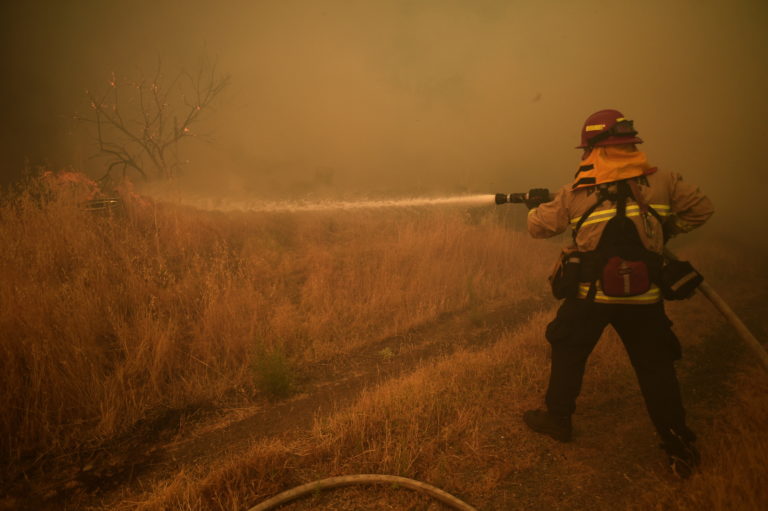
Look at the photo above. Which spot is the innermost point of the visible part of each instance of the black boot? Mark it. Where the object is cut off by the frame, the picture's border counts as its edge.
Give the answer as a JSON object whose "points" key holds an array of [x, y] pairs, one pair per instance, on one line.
{"points": [[682, 455], [541, 421]]}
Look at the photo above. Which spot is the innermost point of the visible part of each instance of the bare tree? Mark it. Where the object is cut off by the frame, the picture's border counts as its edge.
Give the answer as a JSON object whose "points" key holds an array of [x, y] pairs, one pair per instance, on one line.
{"points": [[138, 125]]}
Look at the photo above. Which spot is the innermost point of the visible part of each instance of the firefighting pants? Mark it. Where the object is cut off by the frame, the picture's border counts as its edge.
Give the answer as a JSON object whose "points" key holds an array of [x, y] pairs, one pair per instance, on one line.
{"points": [[651, 345]]}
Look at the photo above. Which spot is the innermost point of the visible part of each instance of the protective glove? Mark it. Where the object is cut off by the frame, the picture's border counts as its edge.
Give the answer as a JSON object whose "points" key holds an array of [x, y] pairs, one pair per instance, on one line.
{"points": [[536, 196], [671, 228]]}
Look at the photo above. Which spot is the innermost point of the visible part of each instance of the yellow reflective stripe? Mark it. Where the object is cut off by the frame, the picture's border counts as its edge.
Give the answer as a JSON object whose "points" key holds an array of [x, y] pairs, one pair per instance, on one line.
{"points": [[597, 220], [632, 300], [653, 295], [605, 219], [597, 127], [531, 211], [595, 214], [632, 210]]}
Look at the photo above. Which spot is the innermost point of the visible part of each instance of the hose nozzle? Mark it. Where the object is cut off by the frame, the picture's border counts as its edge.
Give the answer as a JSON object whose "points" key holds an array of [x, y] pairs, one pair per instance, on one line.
{"points": [[512, 198]]}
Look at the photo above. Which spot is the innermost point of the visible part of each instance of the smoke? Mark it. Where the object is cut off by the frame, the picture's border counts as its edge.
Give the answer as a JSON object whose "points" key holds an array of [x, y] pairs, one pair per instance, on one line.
{"points": [[409, 96]]}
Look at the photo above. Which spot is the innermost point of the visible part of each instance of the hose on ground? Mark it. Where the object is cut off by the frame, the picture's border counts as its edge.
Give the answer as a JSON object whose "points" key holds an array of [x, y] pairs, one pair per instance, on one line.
{"points": [[350, 480], [741, 329]]}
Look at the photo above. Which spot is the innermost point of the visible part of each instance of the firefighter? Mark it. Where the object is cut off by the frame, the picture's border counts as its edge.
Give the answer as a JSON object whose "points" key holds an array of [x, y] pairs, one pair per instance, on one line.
{"points": [[621, 211]]}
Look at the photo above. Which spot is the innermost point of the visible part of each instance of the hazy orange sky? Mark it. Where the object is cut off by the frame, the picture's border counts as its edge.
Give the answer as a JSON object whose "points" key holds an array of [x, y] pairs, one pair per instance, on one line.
{"points": [[408, 96]]}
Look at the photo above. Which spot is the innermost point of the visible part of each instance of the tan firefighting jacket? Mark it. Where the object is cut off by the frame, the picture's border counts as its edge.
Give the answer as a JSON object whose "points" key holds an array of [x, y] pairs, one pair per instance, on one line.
{"points": [[681, 205]]}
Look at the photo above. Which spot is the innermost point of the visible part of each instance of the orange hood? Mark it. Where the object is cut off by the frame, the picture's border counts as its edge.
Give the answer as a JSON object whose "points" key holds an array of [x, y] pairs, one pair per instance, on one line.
{"points": [[608, 164]]}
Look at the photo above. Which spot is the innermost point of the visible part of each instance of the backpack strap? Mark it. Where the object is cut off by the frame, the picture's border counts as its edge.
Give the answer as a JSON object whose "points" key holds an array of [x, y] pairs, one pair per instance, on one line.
{"points": [[602, 196], [620, 198], [645, 208], [626, 188], [622, 191], [635, 192]]}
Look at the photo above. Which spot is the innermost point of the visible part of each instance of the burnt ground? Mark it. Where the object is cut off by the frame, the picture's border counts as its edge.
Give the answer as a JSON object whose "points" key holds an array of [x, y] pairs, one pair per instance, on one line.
{"points": [[614, 446]]}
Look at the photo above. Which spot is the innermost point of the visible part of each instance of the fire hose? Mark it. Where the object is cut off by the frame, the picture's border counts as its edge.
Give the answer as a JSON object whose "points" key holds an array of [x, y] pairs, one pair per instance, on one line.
{"points": [[704, 288], [350, 480], [757, 348]]}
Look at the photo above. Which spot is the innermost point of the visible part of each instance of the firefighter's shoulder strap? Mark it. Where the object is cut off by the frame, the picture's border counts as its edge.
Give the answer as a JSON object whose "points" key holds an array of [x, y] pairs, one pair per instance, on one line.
{"points": [[645, 208], [602, 195], [624, 189]]}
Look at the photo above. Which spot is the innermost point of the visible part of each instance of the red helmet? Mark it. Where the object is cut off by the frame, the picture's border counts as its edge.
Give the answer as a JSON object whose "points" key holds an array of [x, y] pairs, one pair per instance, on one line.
{"points": [[607, 127]]}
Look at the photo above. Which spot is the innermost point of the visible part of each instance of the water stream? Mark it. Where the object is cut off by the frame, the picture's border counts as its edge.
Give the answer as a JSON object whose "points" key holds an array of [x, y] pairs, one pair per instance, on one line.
{"points": [[330, 205]]}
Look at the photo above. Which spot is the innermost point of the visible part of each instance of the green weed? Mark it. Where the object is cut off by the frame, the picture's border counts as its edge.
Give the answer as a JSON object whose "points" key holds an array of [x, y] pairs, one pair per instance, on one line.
{"points": [[273, 374]]}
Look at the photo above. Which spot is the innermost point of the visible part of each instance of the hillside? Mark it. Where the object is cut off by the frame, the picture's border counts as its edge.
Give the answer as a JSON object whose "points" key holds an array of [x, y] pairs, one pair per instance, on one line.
{"points": [[164, 357]]}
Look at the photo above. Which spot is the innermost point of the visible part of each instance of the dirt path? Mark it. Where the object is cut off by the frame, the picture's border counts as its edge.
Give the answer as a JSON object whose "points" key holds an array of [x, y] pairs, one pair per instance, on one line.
{"points": [[186, 439]]}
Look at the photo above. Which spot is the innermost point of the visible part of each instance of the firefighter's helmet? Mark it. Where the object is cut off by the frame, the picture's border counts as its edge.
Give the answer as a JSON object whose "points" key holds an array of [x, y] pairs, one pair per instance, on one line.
{"points": [[607, 127]]}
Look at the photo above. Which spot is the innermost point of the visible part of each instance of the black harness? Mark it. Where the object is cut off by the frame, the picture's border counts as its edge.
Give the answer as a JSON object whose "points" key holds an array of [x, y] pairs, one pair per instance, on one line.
{"points": [[620, 237]]}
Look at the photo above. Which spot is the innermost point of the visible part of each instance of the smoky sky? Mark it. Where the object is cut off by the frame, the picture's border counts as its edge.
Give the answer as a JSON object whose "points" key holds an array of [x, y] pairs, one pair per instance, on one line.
{"points": [[408, 96]]}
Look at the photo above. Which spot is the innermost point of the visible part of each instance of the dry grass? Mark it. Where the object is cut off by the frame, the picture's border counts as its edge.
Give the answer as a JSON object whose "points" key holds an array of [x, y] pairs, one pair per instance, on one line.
{"points": [[735, 475], [430, 424], [455, 423], [107, 321]]}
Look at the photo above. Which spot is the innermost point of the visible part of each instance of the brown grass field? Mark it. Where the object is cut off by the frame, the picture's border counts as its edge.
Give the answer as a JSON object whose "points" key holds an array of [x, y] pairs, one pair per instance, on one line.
{"points": [[160, 357]]}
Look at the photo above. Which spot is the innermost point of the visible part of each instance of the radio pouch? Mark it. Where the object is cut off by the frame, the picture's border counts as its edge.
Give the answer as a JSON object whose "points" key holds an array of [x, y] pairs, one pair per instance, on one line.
{"points": [[565, 277], [679, 279], [621, 277]]}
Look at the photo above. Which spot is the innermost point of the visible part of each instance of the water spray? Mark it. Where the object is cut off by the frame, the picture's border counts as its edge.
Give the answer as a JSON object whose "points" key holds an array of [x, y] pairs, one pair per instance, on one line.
{"points": [[335, 205]]}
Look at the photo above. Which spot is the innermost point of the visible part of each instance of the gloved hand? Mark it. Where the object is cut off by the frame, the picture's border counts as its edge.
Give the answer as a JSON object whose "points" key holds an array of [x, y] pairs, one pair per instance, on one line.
{"points": [[670, 228], [536, 196]]}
